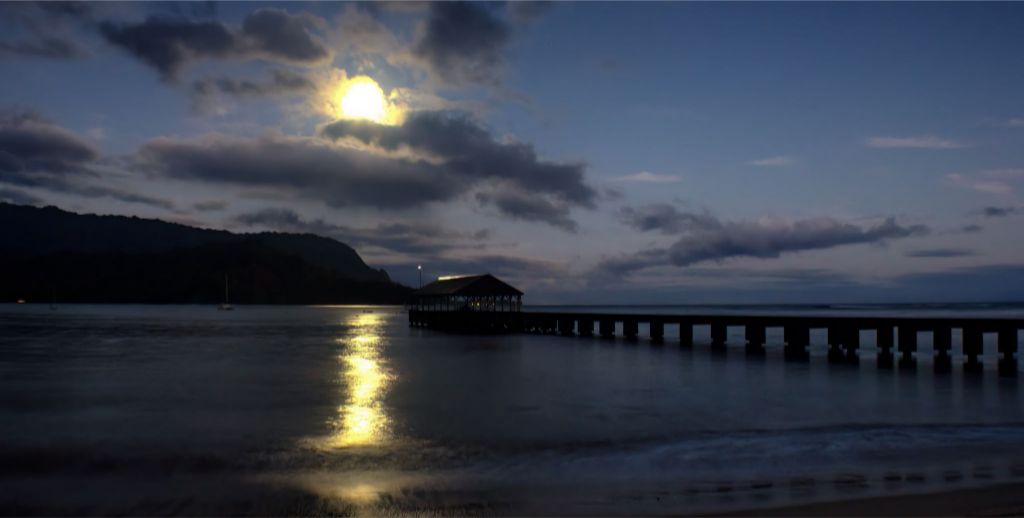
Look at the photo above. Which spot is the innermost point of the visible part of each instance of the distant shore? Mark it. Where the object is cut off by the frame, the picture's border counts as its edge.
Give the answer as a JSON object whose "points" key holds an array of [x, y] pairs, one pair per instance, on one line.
{"points": [[998, 500]]}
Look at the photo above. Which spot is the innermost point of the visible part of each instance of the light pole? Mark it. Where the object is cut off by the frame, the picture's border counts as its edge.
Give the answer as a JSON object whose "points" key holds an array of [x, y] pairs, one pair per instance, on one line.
{"points": [[419, 268]]}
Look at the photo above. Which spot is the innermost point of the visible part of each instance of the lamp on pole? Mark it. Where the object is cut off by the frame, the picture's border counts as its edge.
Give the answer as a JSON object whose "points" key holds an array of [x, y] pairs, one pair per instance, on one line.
{"points": [[419, 268]]}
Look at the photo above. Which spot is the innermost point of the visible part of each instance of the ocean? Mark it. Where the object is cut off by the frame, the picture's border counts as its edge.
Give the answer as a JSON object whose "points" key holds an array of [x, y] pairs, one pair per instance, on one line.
{"points": [[264, 410]]}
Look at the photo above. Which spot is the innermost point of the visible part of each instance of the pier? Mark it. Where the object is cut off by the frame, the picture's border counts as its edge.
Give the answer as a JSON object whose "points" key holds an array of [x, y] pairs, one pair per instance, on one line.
{"points": [[485, 304], [896, 338]]}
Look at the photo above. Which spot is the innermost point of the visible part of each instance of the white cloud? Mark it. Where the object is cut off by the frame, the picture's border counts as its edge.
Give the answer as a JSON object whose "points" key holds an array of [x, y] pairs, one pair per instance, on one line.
{"points": [[918, 142], [773, 161], [1016, 122], [986, 185], [649, 177]]}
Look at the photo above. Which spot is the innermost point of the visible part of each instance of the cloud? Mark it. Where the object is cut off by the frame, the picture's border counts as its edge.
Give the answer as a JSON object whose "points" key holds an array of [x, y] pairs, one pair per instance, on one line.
{"points": [[649, 177], [1015, 122], [704, 237], [532, 189], [522, 205], [43, 28], [418, 239], [980, 185], [281, 82], [462, 42], [313, 168], [940, 253], [31, 146], [774, 161], [971, 229], [210, 205], [918, 142], [999, 212], [168, 44], [18, 197]]}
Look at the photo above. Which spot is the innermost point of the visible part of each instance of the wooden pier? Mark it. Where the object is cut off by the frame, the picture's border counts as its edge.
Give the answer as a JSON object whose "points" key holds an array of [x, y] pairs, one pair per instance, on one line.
{"points": [[895, 337]]}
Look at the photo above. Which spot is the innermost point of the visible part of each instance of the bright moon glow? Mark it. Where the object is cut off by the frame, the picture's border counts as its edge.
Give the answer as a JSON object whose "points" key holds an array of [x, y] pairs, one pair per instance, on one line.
{"points": [[363, 98]]}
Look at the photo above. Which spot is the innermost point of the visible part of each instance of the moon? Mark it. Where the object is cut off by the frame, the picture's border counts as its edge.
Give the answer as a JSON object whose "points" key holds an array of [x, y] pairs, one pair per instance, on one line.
{"points": [[363, 98]]}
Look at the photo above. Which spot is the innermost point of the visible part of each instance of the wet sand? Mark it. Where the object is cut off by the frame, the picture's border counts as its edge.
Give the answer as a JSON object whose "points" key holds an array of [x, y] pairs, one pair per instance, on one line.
{"points": [[1000, 500]]}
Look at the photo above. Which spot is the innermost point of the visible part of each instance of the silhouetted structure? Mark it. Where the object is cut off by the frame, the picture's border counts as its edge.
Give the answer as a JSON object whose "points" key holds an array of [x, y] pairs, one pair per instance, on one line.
{"points": [[467, 303], [468, 293], [892, 335]]}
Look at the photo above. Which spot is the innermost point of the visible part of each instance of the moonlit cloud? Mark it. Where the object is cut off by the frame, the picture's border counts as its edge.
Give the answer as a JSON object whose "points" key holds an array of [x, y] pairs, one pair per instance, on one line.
{"points": [[918, 142], [649, 177]]}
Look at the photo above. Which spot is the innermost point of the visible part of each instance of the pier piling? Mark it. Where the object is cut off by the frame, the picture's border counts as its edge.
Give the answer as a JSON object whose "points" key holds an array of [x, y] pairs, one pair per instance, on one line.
{"points": [[1007, 347], [973, 340], [942, 342], [718, 337], [797, 338], [630, 328], [685, 334], [907, 345], [755, 339], [657, 331], [883, 340]]}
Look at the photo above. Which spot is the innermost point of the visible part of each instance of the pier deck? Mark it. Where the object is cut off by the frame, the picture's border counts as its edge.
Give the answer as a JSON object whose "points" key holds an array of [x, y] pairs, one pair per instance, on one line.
{"points": [[894, 336]]}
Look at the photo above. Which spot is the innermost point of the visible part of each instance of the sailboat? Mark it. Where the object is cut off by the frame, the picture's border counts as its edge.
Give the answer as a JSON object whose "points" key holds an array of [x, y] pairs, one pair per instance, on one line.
{"points": [[225, 306]]}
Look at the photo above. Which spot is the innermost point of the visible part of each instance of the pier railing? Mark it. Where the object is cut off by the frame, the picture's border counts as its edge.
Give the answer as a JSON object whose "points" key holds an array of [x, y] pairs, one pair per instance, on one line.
{"points": [[893, 335]]}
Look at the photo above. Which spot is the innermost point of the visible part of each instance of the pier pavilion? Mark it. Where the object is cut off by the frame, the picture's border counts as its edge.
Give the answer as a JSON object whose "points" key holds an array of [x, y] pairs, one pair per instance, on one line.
{"points": [[468, 293]]}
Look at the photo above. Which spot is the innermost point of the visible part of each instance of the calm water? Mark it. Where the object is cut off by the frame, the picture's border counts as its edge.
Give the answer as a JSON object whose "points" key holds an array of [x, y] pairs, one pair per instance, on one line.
{"points": [[310, 410]]}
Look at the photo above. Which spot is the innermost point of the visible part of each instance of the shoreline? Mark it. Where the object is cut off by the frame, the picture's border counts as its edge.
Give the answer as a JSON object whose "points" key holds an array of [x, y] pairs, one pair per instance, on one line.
{"points": [[1005, 499]]}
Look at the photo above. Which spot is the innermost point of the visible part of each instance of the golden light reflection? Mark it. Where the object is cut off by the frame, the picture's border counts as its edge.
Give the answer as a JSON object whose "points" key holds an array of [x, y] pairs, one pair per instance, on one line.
{"points": [[362, 419]]}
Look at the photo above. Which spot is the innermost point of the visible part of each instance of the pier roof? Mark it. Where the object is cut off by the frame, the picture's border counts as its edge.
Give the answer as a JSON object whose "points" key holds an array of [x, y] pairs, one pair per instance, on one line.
{"points": [[468, 285]]}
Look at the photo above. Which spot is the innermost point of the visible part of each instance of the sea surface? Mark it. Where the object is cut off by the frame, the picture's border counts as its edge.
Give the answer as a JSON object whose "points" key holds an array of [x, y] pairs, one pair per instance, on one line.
{"points": [[273, 410]]}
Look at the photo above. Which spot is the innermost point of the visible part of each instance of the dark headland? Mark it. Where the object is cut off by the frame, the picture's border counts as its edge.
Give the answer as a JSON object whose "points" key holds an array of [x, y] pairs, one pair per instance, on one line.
{"points": [[84, 258]]}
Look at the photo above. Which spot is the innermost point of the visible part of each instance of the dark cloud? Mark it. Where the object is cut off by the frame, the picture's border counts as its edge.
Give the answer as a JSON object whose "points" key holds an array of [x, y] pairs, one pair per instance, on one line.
{"points": [[309, 167], [210, 205], [525, 206], [40, 29], [1000, 212], [19, 197], [421, 239], [37, 153], [462, 42], [939, 253], [704, 237], [280, 82], [469, 151], [167, 44], [31, 146], [971, 229]]}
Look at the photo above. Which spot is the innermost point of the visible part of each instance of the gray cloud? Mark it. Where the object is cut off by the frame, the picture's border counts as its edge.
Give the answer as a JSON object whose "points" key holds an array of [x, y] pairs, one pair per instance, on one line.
{"points": [[167, 44], [999, 212], [525, 206], [462, 43], [280, 82], [18, 196], [468, 150], [37, 153], [31, 147], [210, 205], [704, 237], [43, 28], [309, 167], [970, 229], [940, 253], [413, 239]]}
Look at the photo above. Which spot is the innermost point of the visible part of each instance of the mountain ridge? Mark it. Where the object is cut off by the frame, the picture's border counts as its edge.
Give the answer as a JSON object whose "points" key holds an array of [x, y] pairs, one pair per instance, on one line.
{"points": [[110, 258]]}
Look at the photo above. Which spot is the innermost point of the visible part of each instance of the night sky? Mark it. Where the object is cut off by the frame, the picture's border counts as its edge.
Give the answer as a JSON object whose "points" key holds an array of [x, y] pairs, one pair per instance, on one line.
{"points": [[588, 153]]}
